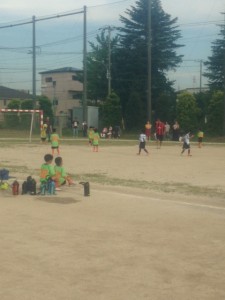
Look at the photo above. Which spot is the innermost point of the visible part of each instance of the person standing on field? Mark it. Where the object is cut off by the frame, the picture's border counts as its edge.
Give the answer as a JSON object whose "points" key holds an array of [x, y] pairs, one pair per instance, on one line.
{"points": [[176, 131], [160, 131], [167, 131], [75, 126], [95, 141], [200, 138], [148, 127], [84, 128], [142, 142], [55, 141], [48, 128], [186, 143]]}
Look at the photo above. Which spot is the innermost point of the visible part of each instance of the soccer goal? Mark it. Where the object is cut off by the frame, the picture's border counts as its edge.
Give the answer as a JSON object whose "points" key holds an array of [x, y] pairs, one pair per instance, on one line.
{"points": [[21, 119]]}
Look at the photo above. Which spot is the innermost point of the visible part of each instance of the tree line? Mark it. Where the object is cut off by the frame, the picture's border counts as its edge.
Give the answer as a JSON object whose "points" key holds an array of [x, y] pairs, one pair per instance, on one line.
{"points": [[129, 73], [127, 69]]}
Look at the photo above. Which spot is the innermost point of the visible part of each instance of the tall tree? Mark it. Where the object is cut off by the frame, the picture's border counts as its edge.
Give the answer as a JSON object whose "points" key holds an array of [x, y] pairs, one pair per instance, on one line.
{"points": [[110, 111], [216, 63], [131, 57], [98, 66]]}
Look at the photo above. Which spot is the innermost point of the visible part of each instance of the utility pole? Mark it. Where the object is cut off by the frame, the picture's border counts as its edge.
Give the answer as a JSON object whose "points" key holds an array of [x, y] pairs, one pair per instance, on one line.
{"points": [[223, 74], [34, 63], [33, 22], [200, 79], [85, 67], [149, 42], [108, 67], [109, 60]]}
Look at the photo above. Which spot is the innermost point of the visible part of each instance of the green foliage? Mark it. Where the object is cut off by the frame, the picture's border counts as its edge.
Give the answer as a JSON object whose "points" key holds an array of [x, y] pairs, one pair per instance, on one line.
{"points": [[134, 115], [45, 105], [12, 119], [187, 112], [129, 61], [165, 107], [215, 113], [14, 104], [25, 118], [110, 111], [216, 63], [202, 100], [98, 66]]}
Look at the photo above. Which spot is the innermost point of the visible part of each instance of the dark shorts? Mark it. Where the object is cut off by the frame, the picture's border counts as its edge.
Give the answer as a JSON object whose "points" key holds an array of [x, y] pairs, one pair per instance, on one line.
{"points": [[56, 147], [142, 145], [159, 137], [186, 146], [43, 139], [200, 139]]}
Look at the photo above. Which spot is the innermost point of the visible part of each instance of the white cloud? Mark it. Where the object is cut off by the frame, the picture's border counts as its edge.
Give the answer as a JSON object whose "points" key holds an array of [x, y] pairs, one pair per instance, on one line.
{"points": [[194, 10], [99, 9], [197, 39]]}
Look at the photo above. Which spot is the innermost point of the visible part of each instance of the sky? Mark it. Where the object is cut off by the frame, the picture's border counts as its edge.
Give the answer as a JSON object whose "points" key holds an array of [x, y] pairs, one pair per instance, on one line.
{"points": [[59, 41]]}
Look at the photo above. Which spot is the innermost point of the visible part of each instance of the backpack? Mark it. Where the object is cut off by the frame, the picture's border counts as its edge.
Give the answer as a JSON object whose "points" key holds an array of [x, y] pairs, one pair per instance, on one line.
{"points": [[29, 186], [4, 174]]}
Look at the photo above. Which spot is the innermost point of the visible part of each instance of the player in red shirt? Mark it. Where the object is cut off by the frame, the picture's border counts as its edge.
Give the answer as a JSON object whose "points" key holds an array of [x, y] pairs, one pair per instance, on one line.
{"points": [[160, 131]]}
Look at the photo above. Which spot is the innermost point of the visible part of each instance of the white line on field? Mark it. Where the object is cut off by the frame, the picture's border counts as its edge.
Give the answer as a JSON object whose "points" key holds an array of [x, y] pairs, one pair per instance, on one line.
{"points": [[173, 201]]}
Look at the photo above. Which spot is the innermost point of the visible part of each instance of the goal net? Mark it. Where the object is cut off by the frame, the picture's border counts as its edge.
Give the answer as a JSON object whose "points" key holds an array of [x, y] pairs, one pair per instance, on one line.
{"points": [[20, 123]]}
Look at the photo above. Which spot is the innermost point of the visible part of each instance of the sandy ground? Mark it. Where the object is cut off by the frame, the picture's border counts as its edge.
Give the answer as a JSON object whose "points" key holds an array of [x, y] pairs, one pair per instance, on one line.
{"points": [[122, 242]]}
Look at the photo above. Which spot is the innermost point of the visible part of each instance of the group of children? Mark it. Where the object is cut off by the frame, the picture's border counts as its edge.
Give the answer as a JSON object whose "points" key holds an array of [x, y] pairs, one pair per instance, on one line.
{"points": [[56, 174], [185, 139], [93, 138]]}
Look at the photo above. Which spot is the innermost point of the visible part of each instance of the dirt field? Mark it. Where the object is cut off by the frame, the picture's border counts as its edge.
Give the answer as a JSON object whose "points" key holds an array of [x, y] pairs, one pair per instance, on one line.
{"points": [[152, 228]]}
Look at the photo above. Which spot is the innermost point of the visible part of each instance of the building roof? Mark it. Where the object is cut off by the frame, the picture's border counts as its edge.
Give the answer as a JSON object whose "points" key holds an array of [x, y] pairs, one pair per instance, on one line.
{"points": [[7, 93], [62, 70], [194, 90]]}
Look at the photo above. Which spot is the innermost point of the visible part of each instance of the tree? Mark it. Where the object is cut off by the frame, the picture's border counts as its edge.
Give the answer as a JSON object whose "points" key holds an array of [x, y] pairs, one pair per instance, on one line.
{"points": [[98, 65], [45, 105], [12, 119], [202, 100], [216, 63], [187, 112], [215, 113], [134, 112], [165, 107], [131, 57], [110, 111], [25, 118]]}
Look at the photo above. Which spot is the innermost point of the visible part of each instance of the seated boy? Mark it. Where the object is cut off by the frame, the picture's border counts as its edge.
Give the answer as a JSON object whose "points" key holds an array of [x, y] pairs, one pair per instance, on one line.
{"points": [[47, 174], [60, 173]]}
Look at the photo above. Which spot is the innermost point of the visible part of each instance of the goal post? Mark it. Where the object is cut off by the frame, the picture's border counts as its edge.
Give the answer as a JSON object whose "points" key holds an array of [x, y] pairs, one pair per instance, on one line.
{"points": [[31, 111]]}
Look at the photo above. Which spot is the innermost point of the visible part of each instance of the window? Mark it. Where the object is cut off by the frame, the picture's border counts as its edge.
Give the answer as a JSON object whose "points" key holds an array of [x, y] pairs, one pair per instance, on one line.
{"points": [[77, 95], [48, 79], [74, 77]]}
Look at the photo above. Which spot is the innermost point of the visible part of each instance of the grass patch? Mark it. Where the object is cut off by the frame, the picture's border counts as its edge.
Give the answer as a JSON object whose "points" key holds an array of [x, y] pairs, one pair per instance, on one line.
{"points": [[166, 187]]}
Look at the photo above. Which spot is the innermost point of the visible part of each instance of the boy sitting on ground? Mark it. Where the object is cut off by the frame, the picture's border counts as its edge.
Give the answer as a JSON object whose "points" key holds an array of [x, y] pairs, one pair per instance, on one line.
{"points": [[47, 175], [60, 173]]}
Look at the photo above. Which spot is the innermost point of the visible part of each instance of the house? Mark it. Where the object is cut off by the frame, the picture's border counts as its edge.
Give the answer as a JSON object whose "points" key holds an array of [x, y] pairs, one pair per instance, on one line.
{"points": [[193, 90], [7, 95], [63, 88]]}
